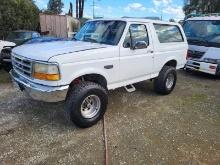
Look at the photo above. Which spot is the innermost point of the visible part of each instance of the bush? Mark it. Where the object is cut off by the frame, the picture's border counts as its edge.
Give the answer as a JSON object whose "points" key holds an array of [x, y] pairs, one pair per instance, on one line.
{"points": [[18, 14]]}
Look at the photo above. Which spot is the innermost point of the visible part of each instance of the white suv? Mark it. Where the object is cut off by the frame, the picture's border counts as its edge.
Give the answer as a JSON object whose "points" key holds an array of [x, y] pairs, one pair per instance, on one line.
{"points": [[105, 54]]}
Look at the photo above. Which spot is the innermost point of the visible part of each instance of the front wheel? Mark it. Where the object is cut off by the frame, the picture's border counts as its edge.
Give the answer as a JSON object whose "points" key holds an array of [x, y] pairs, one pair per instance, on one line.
{"points": [[86, 104], [166, 81]]}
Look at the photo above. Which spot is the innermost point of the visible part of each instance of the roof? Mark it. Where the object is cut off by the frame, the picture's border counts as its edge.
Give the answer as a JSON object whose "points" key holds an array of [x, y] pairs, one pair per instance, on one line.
{"points": [[206, 18], [143, 20]]}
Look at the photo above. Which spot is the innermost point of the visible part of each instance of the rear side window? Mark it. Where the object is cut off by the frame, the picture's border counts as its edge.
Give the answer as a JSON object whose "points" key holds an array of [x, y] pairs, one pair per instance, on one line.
{"points": [[168, 33]]}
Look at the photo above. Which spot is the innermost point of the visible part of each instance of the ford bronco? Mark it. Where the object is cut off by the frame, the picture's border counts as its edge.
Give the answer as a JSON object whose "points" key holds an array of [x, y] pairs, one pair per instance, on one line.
{"points": [[104, 55]]}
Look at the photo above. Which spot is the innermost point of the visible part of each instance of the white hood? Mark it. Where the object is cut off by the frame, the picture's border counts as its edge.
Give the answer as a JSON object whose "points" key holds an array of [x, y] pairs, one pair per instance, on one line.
{"points": [[44, 51], [5, 43], [210, 52]]}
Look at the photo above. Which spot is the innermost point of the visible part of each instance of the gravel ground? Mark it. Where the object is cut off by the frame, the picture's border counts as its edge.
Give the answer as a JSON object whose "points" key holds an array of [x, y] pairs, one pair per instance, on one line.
{"points": [[142, 127]]}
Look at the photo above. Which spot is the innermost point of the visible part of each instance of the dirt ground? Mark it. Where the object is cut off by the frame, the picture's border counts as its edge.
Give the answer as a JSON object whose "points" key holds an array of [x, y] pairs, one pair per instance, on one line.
{"points": [[142, 127]]}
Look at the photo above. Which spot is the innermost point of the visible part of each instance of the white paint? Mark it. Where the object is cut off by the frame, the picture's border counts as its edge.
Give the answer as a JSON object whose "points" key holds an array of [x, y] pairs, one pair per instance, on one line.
{"points": [[129, 66], [210, 52], [5, 43]]}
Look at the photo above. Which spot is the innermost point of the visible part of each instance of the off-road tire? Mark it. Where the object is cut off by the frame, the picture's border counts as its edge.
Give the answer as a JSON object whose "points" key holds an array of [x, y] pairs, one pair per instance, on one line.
{"points": [[75, 98], [160, 82]]}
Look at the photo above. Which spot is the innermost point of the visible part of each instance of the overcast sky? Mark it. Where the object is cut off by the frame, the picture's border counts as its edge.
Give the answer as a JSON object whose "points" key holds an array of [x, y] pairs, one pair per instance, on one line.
{"points": [[132, 8]]}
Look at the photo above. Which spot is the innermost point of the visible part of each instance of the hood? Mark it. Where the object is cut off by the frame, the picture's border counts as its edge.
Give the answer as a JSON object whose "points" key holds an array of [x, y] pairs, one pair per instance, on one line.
{"points": [[210, 52], [44, 51], [6, 43]]}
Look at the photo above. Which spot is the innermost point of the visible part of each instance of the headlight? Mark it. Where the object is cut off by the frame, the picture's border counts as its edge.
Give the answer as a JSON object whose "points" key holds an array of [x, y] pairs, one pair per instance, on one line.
{"points": [[46, 71]]}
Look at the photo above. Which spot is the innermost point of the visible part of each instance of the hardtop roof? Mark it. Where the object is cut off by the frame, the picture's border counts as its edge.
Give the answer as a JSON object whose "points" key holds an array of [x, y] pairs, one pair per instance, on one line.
{"points": [[143, 20], [206, 18]]}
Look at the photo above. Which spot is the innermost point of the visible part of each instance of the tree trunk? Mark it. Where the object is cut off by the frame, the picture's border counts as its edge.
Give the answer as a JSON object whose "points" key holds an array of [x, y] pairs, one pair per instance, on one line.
{"points": [[77, 8], [82, 7]]}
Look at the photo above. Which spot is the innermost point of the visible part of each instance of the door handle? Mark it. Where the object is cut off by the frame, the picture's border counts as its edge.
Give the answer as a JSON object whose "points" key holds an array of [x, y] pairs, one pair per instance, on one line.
{"points": [[108, 66], [150, 51]]}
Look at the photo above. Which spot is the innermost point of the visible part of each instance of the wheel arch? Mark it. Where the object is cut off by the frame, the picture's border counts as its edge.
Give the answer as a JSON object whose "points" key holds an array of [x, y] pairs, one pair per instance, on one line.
{"points": [[96, 76], [171, 62]]}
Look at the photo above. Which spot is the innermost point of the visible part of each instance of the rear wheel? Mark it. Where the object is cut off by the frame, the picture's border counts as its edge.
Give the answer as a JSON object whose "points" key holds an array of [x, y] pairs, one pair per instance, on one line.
{"points": [[86, 104], [166, 81]]}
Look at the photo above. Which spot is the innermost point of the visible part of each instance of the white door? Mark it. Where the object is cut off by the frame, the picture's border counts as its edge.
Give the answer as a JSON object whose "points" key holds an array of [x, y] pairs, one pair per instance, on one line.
{"points": [[136, 53]]}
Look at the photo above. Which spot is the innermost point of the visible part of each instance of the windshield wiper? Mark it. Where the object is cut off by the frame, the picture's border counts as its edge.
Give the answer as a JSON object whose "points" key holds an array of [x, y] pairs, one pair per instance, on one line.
{"points": [[198, 40]]}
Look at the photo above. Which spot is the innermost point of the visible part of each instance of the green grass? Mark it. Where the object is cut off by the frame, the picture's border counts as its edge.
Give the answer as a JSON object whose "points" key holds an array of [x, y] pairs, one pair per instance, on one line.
{"points": [[198, 98]]}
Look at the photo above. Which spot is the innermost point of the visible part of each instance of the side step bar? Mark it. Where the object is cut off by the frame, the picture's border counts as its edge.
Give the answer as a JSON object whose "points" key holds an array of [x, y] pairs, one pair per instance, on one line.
{"points": [[130, 88]]}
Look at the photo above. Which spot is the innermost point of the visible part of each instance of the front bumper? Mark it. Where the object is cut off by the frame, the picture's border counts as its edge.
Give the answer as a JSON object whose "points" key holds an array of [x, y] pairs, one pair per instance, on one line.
{"points": [[37, 91], [202, 67]]}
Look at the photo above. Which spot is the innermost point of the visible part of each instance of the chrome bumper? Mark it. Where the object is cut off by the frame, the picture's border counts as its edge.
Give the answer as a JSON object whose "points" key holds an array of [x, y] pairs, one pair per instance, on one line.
{"points": [[37, 91]]}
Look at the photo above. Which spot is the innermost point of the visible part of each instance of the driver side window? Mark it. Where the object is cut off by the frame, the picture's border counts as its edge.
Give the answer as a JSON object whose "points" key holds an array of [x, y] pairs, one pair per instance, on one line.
{"points": [[137, 33]]}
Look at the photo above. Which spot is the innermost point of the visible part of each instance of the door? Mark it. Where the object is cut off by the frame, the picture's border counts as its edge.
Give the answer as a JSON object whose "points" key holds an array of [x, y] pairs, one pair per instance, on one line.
{"points": [[136, 53]]}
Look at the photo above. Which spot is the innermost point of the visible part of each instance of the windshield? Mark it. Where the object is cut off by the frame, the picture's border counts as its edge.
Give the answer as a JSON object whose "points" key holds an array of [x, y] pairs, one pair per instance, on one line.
{"points": [[103, 32], [18, 37], [205, 33]]}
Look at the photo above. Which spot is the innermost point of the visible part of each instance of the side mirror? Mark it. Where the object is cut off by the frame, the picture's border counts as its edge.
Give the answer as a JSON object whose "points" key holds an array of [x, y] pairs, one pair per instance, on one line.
{"points": [[140, 45], [127, 45]]}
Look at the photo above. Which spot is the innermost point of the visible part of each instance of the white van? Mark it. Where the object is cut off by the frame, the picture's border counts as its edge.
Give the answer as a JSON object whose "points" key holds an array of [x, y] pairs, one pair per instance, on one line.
{"points": [[203, 35]]}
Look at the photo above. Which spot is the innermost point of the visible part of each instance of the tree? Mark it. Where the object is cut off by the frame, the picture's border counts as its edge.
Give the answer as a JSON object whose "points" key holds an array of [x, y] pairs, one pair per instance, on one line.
{"points": [[70, 13], [18, 14], [201, 6], [79, 8], [54, 6]]}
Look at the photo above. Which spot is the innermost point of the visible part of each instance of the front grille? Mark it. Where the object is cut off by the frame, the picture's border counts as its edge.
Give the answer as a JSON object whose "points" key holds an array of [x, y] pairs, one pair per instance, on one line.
{"points": [[6, 53], [195, 54], [22, 65]]}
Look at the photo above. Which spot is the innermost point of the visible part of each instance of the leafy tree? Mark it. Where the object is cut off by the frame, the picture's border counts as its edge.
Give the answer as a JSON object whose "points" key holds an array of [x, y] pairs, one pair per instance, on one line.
{"points": [[18, 14], [202, 6], [54, 6]]}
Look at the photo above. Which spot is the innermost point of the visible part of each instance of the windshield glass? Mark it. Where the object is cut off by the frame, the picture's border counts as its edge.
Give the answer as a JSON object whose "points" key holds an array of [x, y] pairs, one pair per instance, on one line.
{"points": [[18, 36], [205, 33], [103, 32]]}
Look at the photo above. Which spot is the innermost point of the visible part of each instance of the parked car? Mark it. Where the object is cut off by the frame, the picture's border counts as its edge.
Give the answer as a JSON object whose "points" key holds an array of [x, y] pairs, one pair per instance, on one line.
{"points": [[5, 57], [4, 44], [203, 35], [20, 36], [106, 54], [14, 38]]}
